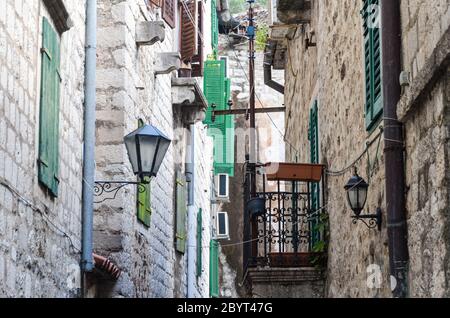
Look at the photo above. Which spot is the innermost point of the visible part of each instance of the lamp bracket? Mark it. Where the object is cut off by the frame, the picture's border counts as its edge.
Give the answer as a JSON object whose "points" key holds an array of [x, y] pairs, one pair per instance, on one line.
{"points": [[112, 188], [372, 221]]}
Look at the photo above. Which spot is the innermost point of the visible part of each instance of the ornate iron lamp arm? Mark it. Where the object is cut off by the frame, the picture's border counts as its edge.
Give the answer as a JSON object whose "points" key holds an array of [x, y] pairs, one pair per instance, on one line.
{"points": [[372, 221], [113, 187]]}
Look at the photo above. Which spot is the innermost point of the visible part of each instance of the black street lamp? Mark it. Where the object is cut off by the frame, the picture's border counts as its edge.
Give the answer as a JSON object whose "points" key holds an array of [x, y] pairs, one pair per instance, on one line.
{"points": [[356, 189], [146, 149]]}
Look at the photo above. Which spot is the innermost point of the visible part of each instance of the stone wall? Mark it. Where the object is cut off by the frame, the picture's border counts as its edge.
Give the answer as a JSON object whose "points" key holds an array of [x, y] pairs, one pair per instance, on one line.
{"points": [[333, 73], [424, 108], [36, 259], [129, 89]]}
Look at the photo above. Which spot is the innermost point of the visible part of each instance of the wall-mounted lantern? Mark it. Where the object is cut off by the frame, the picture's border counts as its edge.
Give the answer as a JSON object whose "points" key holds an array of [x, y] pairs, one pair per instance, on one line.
{"points": [[356, 189], [146, 147]]}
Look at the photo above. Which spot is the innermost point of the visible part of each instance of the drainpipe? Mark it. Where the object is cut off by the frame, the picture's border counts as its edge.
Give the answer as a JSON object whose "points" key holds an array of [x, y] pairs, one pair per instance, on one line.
{"points": [[87, 263], [191, 220], [394, 146]]}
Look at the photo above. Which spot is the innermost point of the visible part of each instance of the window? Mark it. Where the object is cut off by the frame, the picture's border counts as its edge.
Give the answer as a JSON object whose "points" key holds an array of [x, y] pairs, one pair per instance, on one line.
{"points": [[222, 186], [48, 160], [372, 62], [223, 232], [143, 202]]}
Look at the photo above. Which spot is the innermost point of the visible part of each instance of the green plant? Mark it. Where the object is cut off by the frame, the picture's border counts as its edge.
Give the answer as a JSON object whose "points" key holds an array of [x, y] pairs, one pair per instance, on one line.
{"points": [[321, 246], [261, 37]]}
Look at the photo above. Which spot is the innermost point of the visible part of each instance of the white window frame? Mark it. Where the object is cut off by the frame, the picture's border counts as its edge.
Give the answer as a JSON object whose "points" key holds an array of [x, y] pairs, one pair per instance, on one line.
{"points": [[226, 235], [227, 186]]}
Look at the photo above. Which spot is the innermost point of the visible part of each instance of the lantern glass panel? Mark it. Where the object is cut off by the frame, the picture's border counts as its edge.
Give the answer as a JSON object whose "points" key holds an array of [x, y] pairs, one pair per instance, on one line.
{"points": [[162, 150], [147, 148], [130, 143]]}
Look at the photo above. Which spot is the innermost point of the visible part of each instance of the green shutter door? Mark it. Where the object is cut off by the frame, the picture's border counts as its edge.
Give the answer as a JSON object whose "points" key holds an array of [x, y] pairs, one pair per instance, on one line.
{"points": [[199, 242], [315, 187], [49, 110], [372, 61], [144, 210], [181, 209], [214, 269]]}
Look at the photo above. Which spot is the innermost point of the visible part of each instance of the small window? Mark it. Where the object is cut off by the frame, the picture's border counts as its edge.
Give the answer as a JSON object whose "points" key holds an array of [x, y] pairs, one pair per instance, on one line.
{"points": [[223, 182], [223, 232]]}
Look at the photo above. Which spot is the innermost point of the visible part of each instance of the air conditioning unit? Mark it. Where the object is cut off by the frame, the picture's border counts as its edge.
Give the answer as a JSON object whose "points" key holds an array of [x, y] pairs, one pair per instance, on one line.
{"points": [[223, 186], [223, 230]]}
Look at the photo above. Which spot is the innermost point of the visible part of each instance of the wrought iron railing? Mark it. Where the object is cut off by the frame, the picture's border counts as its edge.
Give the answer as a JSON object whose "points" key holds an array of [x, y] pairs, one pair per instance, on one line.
{"points": [[286, 233]]}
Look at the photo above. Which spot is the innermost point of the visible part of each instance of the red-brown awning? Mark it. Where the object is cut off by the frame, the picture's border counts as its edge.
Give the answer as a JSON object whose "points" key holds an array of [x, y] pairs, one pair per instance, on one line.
{"points": [[294, 172]]}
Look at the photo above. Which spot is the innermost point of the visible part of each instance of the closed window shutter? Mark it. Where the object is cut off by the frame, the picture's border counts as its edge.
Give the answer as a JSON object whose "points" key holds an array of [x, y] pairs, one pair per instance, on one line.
{"points": [[189, 30], [315, 187], [372, 61], [197, 60], [199, 242], [214, 89], [156, 2], [214, 269], [144, 210], [181, 208], [214, 26], [168, 12], [49, 110], [218, 91]]}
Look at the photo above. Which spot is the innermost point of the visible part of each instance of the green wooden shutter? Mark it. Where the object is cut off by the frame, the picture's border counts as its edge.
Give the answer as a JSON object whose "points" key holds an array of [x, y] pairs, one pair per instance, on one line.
{"points": [[49, 110], [214, 26], [181, 209], [214, 90], [315, 187], [199, 242], [372, 61], [143, 202], [214, 269]]}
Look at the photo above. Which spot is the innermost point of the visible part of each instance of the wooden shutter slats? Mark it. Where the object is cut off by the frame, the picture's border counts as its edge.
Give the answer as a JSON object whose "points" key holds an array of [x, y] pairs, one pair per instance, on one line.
{"points": [[372, 61], [49, 110], [189, 16], [214, 269], [197, 60], [168, 12]]}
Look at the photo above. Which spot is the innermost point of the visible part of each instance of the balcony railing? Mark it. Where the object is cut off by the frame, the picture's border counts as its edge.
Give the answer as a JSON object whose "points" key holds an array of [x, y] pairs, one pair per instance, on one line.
{"points": [[285, 230]]}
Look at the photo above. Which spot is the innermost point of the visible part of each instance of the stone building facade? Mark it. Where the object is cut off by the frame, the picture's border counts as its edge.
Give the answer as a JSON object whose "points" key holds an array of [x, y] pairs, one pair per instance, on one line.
{"points": [[325, 66], [141, 79], [40, 232], [137, 81]]}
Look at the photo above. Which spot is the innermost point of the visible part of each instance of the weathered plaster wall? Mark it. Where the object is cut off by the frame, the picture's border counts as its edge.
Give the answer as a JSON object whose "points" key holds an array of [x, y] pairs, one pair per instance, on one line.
{"points": [[36, 260]]}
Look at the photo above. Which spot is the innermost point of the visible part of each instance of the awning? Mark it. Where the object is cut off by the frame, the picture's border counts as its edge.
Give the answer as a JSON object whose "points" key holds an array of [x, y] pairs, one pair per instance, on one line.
{"points": [[294, 172]]}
